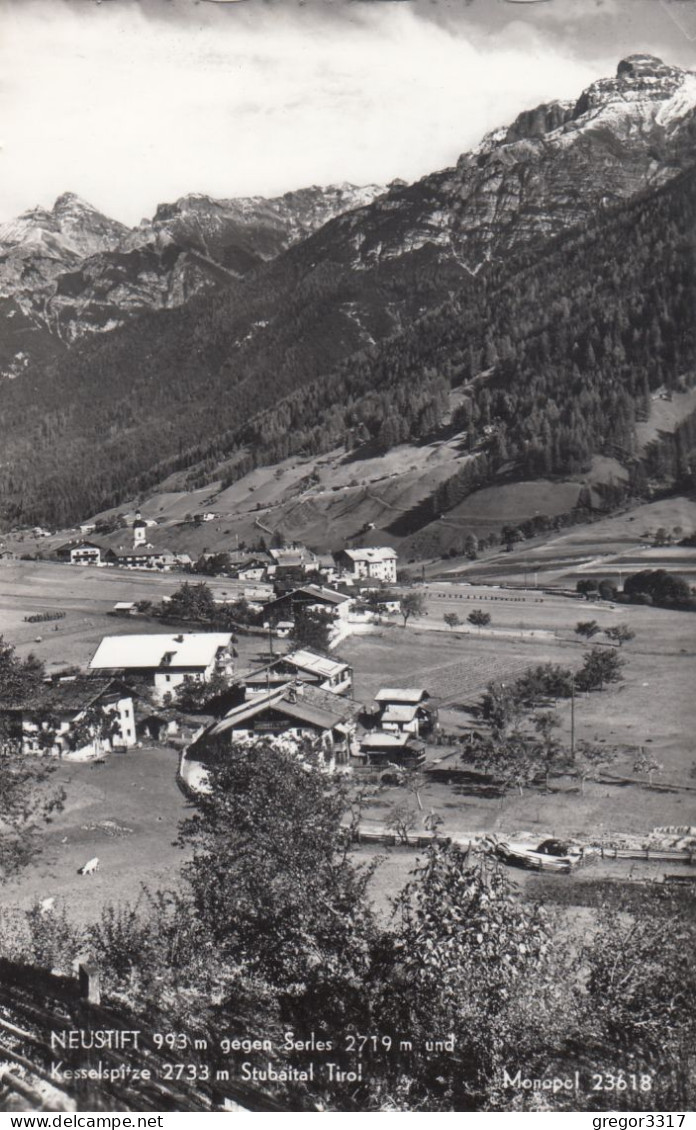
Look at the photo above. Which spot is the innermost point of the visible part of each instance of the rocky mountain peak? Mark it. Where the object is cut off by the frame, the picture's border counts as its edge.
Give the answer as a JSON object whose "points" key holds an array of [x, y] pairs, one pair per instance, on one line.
{"points": [[639, 78], [645, 66], [71, 202]]}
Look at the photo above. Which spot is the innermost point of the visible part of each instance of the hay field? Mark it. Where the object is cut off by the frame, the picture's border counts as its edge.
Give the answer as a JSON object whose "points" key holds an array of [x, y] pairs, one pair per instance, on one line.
{"points": [[86, 595]]}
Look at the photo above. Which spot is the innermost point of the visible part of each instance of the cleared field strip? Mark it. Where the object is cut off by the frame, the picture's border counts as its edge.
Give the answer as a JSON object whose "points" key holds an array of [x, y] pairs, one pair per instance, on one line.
{"points": [[461, 680]]}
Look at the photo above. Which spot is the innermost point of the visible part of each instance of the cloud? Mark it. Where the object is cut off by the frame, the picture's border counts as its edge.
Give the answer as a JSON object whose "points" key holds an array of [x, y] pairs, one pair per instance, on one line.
{"points": [[130, 104]]}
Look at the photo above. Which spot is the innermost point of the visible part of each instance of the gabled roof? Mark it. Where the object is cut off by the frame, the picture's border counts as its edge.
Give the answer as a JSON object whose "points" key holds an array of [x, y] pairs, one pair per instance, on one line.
{"points": [[322, 593], [194, 649], [303, 660], [73, 694], [307, 660], [404, 713], [372, 553], [316, 592], [143, 551], [283, 553], [299, 703], [401, 694], [379, 740]]}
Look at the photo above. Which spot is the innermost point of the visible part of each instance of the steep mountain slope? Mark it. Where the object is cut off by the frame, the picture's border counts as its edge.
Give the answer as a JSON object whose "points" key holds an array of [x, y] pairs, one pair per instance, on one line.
{"points": [[77, 272], [560, 339], [554, 167]]}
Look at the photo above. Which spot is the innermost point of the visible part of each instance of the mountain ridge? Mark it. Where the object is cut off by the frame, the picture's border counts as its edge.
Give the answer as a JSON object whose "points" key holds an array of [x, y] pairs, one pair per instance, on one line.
{"points": [[287, 356]]}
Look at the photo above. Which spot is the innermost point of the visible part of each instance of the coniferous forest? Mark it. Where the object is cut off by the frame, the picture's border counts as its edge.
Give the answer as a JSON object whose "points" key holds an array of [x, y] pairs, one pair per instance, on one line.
{"points": [[557, 351]]}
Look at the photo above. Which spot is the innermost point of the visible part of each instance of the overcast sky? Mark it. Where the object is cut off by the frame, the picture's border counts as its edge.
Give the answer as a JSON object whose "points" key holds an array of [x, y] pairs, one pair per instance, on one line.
{"points": [[133, 102]]}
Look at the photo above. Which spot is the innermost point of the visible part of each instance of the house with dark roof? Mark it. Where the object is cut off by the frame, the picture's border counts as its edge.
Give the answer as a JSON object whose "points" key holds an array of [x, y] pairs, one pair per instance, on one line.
{"points": [[294, 711], [85, 553], [381, 749], [78, 714], [316, 598], [144, 557]]}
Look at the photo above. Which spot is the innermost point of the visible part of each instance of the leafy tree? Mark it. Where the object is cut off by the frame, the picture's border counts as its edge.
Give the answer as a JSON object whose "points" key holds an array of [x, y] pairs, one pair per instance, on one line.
{"points": [[501, 706], [451, 619], [620, 634], [271, 876], [587, 628], [586, 586], [94, 727], [20, 679], [639, 993], [401, 819], [511, 760], [601, 666], [647, 763], [412, 604], [376, 600], [591, 756], [607, 590], [191, 602], [510, 536], [458, 973], [27, 800], [662, 587], [479, 618], [312, 629], [543, 681], [471, 547], [194, 696], [550, 751]]}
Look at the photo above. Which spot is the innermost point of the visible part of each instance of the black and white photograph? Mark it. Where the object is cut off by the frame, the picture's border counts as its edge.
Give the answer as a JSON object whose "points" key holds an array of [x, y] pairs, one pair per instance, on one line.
{"points": [[347, 559]]}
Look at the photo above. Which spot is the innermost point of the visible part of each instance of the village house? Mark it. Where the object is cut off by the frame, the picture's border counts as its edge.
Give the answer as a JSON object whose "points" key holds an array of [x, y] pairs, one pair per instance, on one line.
{"points": [[78, 715], [380, 749], [292, 557], [163, 662], [405, 710], [376, 563], [144, 558], [295, 711], [85, 553], [305, 665], [251, 570], [315, 598], [125, 608]]}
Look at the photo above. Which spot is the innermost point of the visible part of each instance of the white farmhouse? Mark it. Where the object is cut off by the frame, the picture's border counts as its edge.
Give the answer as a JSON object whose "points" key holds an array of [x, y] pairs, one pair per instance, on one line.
{"points": [[165, 661], [377, 563]]}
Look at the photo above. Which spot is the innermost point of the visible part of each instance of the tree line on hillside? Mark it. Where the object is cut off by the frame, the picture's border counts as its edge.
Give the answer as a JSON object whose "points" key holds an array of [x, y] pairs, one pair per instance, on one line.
{"points": [[558, 352]]}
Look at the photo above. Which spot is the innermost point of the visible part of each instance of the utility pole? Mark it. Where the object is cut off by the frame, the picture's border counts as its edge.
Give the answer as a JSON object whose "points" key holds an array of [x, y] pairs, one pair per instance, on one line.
{"points": [[572, 718]]}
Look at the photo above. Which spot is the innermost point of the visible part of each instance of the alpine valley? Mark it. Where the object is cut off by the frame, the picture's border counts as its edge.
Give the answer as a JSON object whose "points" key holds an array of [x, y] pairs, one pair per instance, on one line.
{"points": [[410, 361]]}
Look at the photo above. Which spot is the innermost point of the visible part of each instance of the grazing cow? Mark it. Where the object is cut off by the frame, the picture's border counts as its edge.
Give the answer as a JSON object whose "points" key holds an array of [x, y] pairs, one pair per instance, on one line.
{"points": [[46, 904], [89, 867]]}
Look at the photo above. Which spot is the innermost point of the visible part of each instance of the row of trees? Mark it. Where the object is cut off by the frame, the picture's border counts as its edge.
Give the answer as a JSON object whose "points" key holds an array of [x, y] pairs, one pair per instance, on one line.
{"points": [[649, 586]]}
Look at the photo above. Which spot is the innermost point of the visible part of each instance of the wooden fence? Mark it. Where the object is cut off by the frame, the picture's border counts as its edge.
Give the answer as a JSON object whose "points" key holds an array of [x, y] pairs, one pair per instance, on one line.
{"points": [[37, 1007]]}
